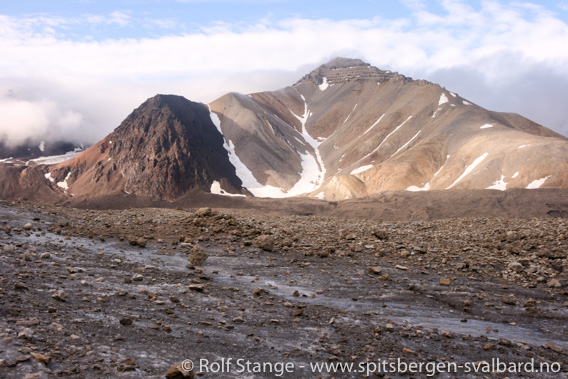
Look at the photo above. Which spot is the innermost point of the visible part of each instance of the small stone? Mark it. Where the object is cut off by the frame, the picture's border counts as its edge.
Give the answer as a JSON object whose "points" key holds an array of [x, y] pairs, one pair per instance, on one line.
{"points": [[554, 283], [178, 372], [137, 278], [265, 242], [36, 375], [41, 358], [515, 267], [20, 286], [45, 255], [347, 235], [406, 350], [27, 226], [203, 212], [196, 287], [553, 347], [504, 342], [380, 233], [197, 256], [136, 241], [296, 312], [399, 267], [445, 281], [126, 321], [260, 292], [374, 269], [26, 333], [59, 295], [509, 300], [238, 320], [488, 346]]}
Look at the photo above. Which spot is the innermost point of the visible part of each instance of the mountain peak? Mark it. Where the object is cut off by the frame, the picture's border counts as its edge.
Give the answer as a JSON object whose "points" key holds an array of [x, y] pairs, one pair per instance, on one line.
{"points": [[341, 62], [345, 70]]}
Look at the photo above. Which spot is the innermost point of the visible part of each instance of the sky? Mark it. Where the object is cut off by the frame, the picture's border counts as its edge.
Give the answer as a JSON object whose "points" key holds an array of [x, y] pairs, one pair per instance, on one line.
{"points": [[74, 69]]}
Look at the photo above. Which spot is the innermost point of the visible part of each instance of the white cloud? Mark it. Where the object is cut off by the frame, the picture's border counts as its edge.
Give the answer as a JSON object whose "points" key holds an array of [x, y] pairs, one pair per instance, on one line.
{"points": [[503, 49], [23, 119]]}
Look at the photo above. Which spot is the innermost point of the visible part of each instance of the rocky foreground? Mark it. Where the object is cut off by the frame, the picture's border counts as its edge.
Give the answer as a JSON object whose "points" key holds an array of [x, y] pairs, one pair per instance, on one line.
{"points": [[131, 293]]}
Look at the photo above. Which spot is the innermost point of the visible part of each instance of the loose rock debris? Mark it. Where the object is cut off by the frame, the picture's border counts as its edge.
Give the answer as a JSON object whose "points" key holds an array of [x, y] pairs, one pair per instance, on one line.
{"points": [[78, 299]]}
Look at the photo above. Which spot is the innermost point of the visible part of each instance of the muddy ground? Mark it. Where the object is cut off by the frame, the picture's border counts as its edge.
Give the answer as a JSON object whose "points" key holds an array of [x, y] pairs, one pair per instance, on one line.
{"points": [[112, 294]]}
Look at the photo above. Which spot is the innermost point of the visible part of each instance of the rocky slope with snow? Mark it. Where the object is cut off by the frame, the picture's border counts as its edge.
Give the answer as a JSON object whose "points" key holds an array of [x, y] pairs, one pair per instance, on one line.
{"points": [[353, 130], [345, 130]]}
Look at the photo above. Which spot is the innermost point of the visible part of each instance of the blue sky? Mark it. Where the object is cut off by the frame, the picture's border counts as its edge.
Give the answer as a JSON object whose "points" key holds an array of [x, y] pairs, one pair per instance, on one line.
{"points": [[76, 68], [99, 20], [154, 18]]}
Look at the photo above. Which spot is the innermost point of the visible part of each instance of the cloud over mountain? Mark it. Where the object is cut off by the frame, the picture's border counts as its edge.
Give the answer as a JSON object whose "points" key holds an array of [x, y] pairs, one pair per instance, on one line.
{"points": [[504, 57]]}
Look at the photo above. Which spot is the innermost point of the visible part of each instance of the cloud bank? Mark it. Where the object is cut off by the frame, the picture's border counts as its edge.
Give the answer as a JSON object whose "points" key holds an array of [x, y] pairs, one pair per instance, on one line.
{"points": [[53, 84]]}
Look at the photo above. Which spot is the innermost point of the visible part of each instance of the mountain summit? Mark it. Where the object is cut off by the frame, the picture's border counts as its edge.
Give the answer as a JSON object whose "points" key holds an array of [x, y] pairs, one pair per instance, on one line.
{"points": [[345, 130]]}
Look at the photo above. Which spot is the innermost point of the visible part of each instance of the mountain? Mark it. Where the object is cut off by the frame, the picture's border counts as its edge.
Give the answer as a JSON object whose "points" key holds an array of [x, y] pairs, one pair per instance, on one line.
{"points": [[163, 149], [348, 129], [345, 130]]}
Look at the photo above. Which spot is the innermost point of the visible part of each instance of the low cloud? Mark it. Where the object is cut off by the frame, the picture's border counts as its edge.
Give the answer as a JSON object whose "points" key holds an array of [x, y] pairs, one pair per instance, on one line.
{"points": [[505, 58]]}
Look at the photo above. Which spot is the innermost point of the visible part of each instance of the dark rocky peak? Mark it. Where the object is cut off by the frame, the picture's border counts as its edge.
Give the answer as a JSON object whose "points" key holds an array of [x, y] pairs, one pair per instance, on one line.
{"points": [[345, 70], [169, 145]]}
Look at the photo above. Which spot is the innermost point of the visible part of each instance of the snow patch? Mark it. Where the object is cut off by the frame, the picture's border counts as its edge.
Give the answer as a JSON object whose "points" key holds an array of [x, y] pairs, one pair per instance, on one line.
{"points": [[324, 85], [375, 124], [242, 171], [361, 169], [406, 144], [486, 126], [64, 183], [440, 169], [469, 169], [217, 190], [320, 196], [313, 169], [515, 175], [453, 94], [443, 99], [434, 115], [350, 113], [466, 102], [48, 177], [417, 189], [523, 146], [390, 134], [42, 146], [500, 184], [537, 183]]}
